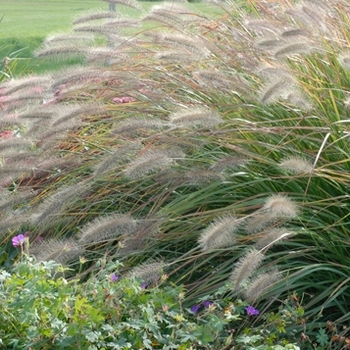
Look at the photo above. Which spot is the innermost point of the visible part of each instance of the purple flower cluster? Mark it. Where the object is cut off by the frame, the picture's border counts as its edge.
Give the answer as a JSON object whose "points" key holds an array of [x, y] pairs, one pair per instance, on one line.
{"points": [[19, 240], [196, 308], [113, 277], [251, 311]]}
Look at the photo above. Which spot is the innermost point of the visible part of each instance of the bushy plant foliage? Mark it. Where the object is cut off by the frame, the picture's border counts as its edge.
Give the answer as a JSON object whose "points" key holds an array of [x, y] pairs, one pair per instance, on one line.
{"points": [[41, 309], [214, 150]]}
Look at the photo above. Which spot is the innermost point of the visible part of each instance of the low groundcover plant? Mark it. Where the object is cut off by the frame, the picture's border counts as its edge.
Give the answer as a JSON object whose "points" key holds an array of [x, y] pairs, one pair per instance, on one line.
{"points": [[41, 309]]}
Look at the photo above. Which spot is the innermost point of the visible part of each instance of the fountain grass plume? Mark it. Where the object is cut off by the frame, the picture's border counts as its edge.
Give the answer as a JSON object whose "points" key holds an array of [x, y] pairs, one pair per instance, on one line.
{"points": [[68, 113], [14, 146], [107, 228], [273, 91], [177, 57], [295, 48], [84, 75], [220, 233], [261, 284], [295, 32], [202, 177], [28, 83], [61, 38], [117, 157], [51, 137], [54, 205], [272, 236], [305, 18], [184, 42], [149, 272], [280, 206], [13, 222], [227, 164], [97, 29], [264, 26], [94, 15], [165, 15], [150, 161], [259, 222], [100, 55], [269, 43], [11, 201], [297, 165], [61, 50], [195, 117], [147, 230], [63, 250], [245, 267]]}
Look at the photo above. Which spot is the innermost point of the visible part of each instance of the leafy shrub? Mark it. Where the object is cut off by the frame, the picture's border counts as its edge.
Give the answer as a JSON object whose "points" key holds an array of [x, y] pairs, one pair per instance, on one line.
{"points": [[41, 309]]}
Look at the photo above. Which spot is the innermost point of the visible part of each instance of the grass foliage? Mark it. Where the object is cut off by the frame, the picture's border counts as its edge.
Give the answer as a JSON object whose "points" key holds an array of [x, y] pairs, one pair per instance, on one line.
{"points": [[216, 148]]}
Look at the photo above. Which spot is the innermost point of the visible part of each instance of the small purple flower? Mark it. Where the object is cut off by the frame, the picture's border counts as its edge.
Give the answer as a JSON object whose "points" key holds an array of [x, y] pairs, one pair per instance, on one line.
{"points": [[143, 285], [207, 303], [251, 311], [18, 240], [195, 308], [113, 277]]}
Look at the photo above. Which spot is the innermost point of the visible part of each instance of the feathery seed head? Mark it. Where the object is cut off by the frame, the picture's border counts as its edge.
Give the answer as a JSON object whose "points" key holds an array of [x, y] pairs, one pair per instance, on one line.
{"points": [[107, 228], [291, 33], [295, 48], [245, 267], [149, 272], [273, 91], [260, 285], [118, 156], [62, 251], [280, 206], [264, 26], [77, 38], [150, 161], [202, 177], [227, 163], [259, 221], [17, 84], [196, 117], [94, 15], [297, 165], [308, 17], [219, 234], [182, 42], [53, 205], [14, 146], [61, 50], [272, 237]]}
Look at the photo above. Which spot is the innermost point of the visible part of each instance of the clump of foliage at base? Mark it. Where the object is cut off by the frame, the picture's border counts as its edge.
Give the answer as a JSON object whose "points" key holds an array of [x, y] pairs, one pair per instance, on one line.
{"points": [[41, 309]]}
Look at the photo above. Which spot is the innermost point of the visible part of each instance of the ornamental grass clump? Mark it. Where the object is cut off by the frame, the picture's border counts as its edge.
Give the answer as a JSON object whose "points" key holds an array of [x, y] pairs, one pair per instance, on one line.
{"points": [[162, 140]]}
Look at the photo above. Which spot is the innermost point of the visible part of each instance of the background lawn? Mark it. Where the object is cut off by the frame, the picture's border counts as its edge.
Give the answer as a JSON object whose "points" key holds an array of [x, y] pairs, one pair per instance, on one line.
{"points": [[24, 24]]}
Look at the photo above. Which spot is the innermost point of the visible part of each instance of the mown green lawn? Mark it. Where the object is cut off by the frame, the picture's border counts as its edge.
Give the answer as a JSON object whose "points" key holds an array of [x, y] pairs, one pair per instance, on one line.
{"points": [[25, 23]]}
